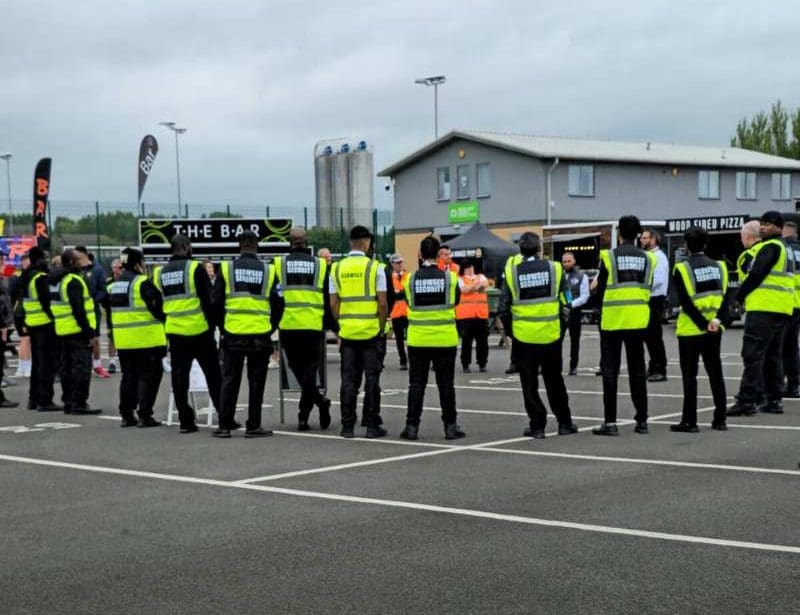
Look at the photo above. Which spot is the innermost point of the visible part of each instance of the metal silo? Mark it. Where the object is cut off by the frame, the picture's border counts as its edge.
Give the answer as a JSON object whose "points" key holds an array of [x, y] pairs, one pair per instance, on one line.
{"points": [[362, 186], [340, 189], [323, 165]]}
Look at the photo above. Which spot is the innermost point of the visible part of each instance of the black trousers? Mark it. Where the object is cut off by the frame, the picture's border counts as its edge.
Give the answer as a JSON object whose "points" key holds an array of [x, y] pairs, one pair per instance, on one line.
{"points": [[302, 350], [360, 358], [655, 337], [574, 326], [762, 356], [400, 328], [183, 350], [443, 361], [44, 364], [705, 347], [791, 356], [141, 377], [76, 370], [232, 368], [547, 357], [477, 330], [611, 343]]}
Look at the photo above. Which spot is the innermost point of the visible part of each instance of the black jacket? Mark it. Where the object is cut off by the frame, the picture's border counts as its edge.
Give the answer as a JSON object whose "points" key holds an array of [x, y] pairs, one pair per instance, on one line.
{"points": [[75, 296], [688, 307]]}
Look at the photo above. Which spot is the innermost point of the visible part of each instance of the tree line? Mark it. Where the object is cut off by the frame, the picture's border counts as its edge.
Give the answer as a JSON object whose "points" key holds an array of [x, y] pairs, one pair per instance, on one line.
{"points": [[776, 132]]}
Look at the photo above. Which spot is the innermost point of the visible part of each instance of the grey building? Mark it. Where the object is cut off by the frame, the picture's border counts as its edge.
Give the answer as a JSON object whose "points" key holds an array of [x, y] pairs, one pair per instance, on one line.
{"points": [[510, 178]]}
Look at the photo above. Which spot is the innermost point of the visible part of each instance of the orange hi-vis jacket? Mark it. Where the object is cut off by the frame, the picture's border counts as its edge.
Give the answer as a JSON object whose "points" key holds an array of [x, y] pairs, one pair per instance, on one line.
{"points": [[400, 307], [472, 304]]}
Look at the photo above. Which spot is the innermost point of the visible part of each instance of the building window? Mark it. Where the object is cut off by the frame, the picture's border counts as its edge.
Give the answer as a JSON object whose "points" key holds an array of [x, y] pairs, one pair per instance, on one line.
{"points": [[443, 184], [746, 186], [581, 180], [462, 171], [781, 186], [708, 184], [484, 187]]}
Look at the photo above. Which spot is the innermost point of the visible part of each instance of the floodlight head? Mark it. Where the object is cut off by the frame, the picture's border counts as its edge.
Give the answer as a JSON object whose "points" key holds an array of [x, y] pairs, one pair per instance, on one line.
{"points": [[6, 156], [436, 80]]}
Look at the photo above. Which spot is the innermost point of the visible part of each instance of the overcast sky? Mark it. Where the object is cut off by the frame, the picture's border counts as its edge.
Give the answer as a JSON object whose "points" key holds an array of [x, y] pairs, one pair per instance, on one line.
{"points": [[258, 83]]}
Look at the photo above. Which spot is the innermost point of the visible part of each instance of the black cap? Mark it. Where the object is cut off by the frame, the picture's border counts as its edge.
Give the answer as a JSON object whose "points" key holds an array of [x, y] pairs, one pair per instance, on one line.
{"points": [[130, 257], [360, 232], [772, 217]]}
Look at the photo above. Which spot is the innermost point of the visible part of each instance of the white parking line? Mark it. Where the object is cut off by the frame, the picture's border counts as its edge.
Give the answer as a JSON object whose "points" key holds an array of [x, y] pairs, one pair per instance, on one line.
{"points": [[572, 392], [461, 512], [743, 426]]}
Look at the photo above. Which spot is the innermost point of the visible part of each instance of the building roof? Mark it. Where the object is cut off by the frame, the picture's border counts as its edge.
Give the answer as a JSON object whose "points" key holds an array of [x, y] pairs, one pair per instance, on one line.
{"points": [[605, 151]]}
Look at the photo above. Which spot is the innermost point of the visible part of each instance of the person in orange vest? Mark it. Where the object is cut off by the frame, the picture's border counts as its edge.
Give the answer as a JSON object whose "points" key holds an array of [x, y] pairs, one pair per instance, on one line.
{"points": [[472, 314], [445, 259], [399, 313]]}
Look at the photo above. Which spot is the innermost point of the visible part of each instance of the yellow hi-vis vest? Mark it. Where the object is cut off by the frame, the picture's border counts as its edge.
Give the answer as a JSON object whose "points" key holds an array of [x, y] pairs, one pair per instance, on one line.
{"points": [[626, 305], [793, 254], [356, 280], [183, 310], [247, 313], [433, 326], [35, 316], [776, 293], [746, 257], [535, 320], [708, 302], [66, 324], [133, 325], [304, 304]]}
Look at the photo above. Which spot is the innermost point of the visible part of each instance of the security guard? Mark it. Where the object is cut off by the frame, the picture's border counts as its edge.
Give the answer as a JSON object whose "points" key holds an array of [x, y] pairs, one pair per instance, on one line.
{"points": [[304, 283], [74, 315], [701, 284], [791, 360], [186, 289], [432, 295], [654, 336], [578, 283], [767, 294], [750, 235], [248, 304], [137, 318], [399, 312], [623, 284], [38, 319], [530, 307], [472, 314], [358, 301]]}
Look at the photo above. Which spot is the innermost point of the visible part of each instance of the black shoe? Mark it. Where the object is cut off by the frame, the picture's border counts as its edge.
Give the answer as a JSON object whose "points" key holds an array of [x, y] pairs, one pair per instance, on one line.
{"points": [[84, 410], [482, 369], [606, 430], [512, 368], [235, 425], [410, 433], [404, 367], [8, 404], [376, 432], [466, 369], [32, 405], [259, 432], [219, 433], [684, 428], [641, 428], [188, 428], [453, 432], [598, 371], [572, 372], [657, 378], [530, 432], [129, 422], [772, 407], [792, 392], [149, 421], [739, 409], [567, 429], [719, 426], [303, 426], [49, 408], [347, 431], [325, 413]]}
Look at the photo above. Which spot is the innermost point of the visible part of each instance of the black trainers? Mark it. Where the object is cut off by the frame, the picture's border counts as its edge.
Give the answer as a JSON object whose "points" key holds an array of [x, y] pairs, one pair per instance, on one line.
{"points": [[606, 429], [512, 368], [719, 426], [128, 421], [572, 372], [772, 407], [453, 432], [482, 369], [259, 432], [221, 433], [188, 428], [657, 378], [410, 433], [530, 432], [347, 431], [567, 429], [325, 413], [684, 428], [149, 421], [641, 428], [376, 432], [83, 410], [739, 409]]}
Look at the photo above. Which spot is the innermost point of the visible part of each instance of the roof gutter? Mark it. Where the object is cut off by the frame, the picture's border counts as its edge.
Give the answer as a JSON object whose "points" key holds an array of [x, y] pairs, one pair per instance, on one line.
{"points": [[549, 190]]}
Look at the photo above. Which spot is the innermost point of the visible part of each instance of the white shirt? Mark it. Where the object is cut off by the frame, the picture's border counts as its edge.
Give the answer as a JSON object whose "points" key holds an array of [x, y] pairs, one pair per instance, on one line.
{"points": [[661, 274], [380, 285], [584, 296], [478, 278]]}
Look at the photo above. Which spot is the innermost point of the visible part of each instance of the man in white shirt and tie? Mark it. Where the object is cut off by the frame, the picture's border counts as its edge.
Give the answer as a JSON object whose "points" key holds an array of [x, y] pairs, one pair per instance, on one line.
{"points": [[654, 337], [578, 283]]}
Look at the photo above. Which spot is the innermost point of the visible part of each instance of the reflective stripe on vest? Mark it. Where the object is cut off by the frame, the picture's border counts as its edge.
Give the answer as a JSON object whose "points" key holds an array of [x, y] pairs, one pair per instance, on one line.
{"points": [[775, 294], [66, 324], [35, 316], [474, 304], [245, 312], [355, 279], [535, 321], [708, 303], [626, 305], [184, 313], [433, 326], [304, 305], [133, 325], [400, 307]]}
